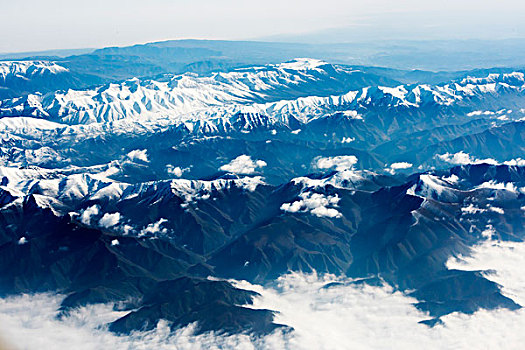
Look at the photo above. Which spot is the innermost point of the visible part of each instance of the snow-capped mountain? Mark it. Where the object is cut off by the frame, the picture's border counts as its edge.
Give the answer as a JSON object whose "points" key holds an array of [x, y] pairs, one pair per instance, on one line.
{"points": [[29, 69], [20, 78], [380, 125], [151, 194], [261, 92], [181, 94]]}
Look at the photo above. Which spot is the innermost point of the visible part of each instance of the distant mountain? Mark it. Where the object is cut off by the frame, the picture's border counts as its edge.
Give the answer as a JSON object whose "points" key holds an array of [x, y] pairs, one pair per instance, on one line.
{"points": [[48, 54], [430, 55], [19, 78], [408, 62]]}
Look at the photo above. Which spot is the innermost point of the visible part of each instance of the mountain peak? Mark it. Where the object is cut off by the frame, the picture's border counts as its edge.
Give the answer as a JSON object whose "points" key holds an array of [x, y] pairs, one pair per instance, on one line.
{"points": [[302, 64]]}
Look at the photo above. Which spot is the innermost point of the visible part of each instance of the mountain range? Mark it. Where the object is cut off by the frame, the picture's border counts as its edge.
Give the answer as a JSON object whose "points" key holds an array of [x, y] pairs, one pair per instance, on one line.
{"points": [[154, 189]]}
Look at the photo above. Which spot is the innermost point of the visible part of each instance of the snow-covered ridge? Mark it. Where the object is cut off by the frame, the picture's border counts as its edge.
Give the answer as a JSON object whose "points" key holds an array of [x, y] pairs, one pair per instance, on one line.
{"points": [[431, 186], [64, 189], [29, 69], [507, 78], [208, 103], [346, 179], [173, 95], [306, 109], [301, 64]]}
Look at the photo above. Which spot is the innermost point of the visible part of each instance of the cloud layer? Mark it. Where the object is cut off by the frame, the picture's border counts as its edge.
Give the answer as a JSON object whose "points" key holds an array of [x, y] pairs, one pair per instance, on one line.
{"points": [[344, 315]]}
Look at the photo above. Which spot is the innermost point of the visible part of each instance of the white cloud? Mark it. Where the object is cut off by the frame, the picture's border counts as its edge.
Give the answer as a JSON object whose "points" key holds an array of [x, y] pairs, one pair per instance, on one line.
{"points": [[504, 259], [292, 207], [175, 170], [154, 228], [477, 113], [243, 164], [380, 318], [324, 211], [497, 210], [515, 162], [88, 213], [509, 186], [29, 322], [109, 220], [345, 315], [400, 165], [471, 209], [126, 229], [366, 317], [462, 158], [314, 203], [338, 163], [474, 113], [488, 232], [138, 154]]}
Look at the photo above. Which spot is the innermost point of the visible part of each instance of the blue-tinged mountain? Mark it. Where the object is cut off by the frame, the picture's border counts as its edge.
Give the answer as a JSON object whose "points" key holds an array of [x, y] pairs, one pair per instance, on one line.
{"points": [[98, 240], [424, 62], [20, 78], [152, 192], [284, 114]]}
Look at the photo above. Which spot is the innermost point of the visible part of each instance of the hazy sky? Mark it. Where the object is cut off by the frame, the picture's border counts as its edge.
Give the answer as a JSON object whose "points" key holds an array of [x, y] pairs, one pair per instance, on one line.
{"points": [[30, 25]]}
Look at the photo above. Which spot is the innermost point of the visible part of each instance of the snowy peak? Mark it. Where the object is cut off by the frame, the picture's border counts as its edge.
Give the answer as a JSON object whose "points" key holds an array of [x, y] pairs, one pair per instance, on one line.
{"points": [[302, 64], [514, 79], [274, 95], [180, 94], [67, 188], [29, 69]]}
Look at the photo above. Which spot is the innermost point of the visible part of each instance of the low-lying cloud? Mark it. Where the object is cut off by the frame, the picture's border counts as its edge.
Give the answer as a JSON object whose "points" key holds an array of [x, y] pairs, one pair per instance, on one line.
{"points": [[88, 213], [109, 220], [315, 203], [343, 316], [338, 163], [140, 155], [243, 164], [462, 158]]}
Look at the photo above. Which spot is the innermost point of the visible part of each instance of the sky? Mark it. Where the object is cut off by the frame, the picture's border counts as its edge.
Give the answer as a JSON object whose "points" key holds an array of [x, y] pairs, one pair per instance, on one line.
{"points": [[33, 25]]}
